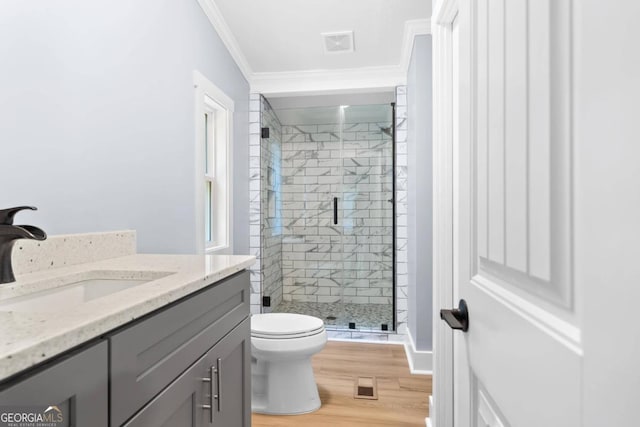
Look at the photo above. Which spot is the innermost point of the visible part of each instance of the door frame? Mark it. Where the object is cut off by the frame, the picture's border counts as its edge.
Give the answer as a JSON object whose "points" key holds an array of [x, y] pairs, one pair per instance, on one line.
{"points": [[444, 14]]}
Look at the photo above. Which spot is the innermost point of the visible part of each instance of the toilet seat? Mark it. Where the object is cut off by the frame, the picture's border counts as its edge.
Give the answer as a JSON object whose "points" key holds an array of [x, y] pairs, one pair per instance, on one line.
{"points": [[285, 326]]}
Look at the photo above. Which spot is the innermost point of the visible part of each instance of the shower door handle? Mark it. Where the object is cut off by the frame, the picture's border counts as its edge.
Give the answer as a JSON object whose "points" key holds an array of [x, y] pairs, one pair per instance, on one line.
{"points": [[335, 211]]}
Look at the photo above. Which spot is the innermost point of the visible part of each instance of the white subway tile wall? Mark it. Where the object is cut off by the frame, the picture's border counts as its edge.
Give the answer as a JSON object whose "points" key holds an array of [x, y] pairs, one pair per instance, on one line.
{"points": [[350, 261], [402, 279], [255, 220]]}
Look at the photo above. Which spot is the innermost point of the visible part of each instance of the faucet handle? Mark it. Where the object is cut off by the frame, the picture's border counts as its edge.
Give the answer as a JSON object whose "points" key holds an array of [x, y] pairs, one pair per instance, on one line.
{"points": [[6, 215]]}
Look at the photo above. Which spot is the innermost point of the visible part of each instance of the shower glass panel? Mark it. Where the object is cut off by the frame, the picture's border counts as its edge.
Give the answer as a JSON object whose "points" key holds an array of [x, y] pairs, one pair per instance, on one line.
{"points": [[330, 212], [312, 244], [367, 216]]}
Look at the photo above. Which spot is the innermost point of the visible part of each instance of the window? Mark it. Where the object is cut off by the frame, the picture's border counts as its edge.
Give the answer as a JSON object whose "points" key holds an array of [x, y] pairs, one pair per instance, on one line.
{"points": [[214, 113]]}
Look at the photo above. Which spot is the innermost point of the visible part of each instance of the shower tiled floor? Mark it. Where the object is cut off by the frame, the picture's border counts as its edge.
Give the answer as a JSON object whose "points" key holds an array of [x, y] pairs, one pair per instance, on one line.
{"points": [[367, 317]]}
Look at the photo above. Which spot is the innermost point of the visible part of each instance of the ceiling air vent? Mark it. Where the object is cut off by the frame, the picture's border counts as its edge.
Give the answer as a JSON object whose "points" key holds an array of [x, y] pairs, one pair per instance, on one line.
{"points": [[339, 42]]}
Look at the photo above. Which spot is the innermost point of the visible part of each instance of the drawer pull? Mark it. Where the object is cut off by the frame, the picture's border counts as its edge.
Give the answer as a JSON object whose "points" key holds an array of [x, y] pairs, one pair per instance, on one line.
{"points": [[219, 381], [210, 381]]}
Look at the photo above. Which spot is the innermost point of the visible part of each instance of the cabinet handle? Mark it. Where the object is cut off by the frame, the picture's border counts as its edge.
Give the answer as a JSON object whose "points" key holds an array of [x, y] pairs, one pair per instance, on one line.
{"points": [[219, 380], [335, 211], [210, 381]]}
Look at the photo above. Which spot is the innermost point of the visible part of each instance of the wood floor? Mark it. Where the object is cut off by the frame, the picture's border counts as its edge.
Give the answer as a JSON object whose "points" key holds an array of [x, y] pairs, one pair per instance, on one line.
{"points": [[402, 397]]}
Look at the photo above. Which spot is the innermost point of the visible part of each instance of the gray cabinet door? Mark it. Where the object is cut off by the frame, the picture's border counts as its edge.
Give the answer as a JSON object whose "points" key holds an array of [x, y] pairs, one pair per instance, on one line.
{"points": [[77, 385], [214, 392], [231, 358], [149, 354], [182, 404]]}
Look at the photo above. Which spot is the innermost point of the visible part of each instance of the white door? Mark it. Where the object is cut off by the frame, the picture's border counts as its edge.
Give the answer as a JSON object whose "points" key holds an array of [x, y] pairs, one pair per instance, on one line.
{"points": [[546, 212]]}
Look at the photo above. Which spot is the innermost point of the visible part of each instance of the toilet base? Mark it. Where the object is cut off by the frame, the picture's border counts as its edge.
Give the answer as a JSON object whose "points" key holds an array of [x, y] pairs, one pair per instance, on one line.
{"points": [[285, 387]]}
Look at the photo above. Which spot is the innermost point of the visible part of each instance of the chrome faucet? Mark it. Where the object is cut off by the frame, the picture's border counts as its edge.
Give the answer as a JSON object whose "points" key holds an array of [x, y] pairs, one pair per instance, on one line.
{"points": [[9, 233]]}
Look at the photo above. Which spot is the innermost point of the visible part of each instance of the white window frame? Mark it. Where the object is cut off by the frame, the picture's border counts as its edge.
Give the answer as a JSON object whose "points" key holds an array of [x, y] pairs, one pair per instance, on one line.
{"points": [[210, 99]]}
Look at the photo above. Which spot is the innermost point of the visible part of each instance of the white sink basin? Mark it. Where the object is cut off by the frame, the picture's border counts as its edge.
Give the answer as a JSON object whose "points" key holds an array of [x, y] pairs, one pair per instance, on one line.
{"points": [[70, 292]]}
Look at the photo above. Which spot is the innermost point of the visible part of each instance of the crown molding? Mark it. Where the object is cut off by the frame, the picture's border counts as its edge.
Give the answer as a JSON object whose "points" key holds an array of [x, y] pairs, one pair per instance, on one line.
{"points": [[210, 9], [412, 29], [328, 81]]}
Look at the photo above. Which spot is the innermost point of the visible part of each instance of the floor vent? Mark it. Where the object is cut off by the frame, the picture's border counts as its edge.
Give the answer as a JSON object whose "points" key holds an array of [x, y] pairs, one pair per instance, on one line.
{"points": [[365, 388]]}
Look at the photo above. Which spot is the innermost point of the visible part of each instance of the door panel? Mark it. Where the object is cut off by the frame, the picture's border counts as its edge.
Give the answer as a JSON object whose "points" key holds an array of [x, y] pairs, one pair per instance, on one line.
{"points": [[523, 144], [486, 414], [519, 364], [530, 370]]}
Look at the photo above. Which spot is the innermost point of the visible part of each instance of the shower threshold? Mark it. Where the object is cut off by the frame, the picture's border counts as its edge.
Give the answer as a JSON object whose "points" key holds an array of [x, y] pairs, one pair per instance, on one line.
{"points": [[338, 316]]}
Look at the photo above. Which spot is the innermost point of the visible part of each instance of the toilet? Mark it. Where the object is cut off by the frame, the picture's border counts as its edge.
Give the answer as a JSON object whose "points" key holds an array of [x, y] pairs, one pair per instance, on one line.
{"points": [[281, 374]]}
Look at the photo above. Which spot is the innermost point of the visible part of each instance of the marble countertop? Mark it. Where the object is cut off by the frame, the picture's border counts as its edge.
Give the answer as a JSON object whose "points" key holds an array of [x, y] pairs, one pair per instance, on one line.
{"points": [[31, 337]]}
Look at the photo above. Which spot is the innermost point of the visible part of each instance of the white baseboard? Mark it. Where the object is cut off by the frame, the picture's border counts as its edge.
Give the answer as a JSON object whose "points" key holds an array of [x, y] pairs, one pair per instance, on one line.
{"points": [[420, 362], [431, 407]]}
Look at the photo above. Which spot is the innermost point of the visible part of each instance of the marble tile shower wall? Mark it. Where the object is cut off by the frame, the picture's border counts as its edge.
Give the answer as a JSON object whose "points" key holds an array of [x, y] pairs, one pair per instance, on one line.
{"points": [[402, 163], [255, 185], [350, 261]]}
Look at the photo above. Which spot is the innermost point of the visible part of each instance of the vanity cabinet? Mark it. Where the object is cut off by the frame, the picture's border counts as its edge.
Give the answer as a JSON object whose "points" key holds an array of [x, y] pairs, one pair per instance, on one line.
{"points": [[76, 383], [186, 364]]}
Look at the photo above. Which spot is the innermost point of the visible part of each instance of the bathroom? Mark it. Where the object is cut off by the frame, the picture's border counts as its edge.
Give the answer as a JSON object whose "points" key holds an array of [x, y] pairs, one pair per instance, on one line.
{"points": [[225, 160], [114, 150]]}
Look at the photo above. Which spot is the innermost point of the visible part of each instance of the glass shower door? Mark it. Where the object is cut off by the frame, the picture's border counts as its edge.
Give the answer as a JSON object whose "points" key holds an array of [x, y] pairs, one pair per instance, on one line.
{"points": [[335, 184], [312, 248], [367, 217]]}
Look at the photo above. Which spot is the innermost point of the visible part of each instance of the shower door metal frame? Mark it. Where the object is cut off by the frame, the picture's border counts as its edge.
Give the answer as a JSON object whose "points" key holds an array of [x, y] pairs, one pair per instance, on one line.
{"points": [[393, 217]]}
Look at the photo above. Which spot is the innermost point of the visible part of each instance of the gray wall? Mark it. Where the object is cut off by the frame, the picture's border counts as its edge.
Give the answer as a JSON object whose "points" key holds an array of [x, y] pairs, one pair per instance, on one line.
{"points": [[420, 171], [97, 117]]}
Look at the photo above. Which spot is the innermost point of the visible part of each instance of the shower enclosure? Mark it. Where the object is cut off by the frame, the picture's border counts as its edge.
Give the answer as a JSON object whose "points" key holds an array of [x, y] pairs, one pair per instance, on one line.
{"points": [[327, 214]]}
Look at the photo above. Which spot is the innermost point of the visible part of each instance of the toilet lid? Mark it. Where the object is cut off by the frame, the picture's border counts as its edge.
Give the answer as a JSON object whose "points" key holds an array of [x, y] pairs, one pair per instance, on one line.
{"points": [[284, 325]]}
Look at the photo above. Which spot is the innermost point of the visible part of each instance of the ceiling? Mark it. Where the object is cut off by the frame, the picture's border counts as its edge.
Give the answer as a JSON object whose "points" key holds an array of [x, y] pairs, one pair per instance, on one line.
{"points": [[280, 40]]}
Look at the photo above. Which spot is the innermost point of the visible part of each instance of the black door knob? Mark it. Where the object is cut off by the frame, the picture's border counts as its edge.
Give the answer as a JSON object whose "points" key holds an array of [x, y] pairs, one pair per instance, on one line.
{"points": [[457, 318]]}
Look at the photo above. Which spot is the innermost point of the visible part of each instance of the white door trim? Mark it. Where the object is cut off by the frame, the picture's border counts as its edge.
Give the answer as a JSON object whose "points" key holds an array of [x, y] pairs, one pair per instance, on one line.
{"points": [[445, 12]]}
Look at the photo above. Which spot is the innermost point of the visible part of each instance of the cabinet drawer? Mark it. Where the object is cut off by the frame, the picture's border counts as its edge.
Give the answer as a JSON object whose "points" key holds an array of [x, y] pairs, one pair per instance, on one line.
{"points": [[150, 354]]}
